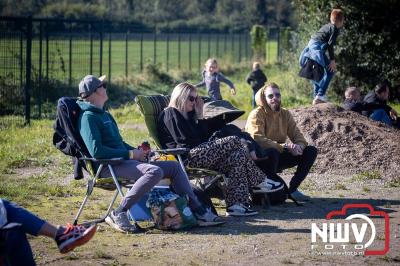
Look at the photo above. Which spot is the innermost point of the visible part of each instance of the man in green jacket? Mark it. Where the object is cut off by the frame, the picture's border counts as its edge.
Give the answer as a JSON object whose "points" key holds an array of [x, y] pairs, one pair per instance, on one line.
{"points": [[271, 126], [101, 136]]}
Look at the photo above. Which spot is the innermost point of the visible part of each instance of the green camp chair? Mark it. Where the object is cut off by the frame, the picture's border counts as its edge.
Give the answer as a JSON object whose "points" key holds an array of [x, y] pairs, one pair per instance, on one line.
{"points": [[150, 107]]}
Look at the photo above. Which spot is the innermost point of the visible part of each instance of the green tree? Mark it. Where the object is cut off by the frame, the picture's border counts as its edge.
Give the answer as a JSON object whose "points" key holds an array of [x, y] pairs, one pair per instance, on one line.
{"points": [[258, 40]]}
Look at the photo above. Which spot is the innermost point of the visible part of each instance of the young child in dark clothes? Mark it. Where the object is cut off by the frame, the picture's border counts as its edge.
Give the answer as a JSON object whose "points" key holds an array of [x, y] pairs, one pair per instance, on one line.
{"points": [[256, 79], [323, 40], [212, 79]]}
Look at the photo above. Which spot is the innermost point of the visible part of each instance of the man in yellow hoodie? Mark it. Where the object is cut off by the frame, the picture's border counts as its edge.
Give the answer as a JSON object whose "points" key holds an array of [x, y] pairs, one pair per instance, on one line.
{"points": [[271, 126]]}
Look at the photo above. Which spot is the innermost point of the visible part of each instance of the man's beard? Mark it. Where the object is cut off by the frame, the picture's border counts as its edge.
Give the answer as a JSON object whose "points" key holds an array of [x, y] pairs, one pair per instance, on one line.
{"points": [[276, 107]]}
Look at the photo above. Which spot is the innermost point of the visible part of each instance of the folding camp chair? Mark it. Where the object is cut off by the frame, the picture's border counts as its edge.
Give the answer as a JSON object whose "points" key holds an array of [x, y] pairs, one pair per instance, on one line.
{"points": [[67, 139], [150, 107]]}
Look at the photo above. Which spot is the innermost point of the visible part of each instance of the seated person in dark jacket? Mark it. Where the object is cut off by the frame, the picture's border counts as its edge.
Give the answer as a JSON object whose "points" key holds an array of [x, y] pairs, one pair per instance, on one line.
{"points": [[378, 109], [353, 101]]}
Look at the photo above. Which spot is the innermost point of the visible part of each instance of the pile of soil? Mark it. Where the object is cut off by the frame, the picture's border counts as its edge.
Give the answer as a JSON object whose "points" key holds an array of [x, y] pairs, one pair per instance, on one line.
{"points": [[349, 143]]}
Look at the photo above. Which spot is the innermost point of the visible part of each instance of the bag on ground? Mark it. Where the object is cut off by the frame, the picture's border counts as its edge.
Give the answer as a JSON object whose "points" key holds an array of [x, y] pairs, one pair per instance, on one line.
{"points": [[169, 210]]}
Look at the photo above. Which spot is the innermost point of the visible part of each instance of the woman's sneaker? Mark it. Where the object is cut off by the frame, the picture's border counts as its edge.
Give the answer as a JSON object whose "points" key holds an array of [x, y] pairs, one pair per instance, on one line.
{"points": [[267, 186], [74, 236], [120, 222], [208, 218], [239, 209]]}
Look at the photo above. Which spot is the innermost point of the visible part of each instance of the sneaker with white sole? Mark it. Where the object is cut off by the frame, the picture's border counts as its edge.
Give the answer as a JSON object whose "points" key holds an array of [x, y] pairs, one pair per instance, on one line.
{"points": [[239, 209], [73, 236], [267, 186], [208, 218], [120, 222]]}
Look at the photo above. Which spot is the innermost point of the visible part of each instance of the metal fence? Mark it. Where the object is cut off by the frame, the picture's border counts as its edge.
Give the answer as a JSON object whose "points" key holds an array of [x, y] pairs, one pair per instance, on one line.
{"points": [[41, 59]]}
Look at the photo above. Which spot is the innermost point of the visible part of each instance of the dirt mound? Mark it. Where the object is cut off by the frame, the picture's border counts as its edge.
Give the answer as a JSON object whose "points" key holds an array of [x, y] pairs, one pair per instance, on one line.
{"points": [[349, 143]]}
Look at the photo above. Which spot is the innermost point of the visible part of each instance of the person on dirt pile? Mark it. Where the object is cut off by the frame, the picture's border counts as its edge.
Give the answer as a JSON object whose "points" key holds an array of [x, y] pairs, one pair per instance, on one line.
{"points": [[16, 222], [323, 40], [101, 136], [270, 126], [379, 110]]}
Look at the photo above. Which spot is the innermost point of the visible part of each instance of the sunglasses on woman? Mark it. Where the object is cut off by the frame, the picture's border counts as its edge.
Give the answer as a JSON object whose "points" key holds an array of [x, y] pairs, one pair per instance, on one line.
{"points": [[192, 98]]}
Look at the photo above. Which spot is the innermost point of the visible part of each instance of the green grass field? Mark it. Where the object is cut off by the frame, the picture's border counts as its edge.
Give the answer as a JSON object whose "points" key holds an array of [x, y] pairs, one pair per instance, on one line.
{"points": [[64, 59]]}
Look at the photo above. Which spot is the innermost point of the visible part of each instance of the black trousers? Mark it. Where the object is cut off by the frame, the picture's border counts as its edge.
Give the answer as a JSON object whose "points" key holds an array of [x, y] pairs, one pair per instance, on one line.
{"points": [[277, 162]]}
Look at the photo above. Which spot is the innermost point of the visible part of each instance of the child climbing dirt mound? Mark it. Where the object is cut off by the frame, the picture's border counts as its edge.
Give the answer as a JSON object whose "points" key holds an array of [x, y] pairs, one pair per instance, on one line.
{"points": [[350, 143]]}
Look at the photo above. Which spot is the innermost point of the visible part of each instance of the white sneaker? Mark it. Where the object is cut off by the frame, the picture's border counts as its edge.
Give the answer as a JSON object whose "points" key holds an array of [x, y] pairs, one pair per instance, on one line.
{"points": [[208, 218], [239, 209], [322, 98], [121, 222], [267, 186]]}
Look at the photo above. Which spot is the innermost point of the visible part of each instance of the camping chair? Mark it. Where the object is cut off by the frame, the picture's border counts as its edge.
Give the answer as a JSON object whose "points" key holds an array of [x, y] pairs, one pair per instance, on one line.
{"points": [[67, 139], [150, 107]]}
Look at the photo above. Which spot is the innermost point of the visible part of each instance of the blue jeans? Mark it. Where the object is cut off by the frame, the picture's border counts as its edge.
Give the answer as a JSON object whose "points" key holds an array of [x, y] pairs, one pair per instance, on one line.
{"points": [[30, 223], [381, 116], [321, 87], [15, 247], [253, 99]]}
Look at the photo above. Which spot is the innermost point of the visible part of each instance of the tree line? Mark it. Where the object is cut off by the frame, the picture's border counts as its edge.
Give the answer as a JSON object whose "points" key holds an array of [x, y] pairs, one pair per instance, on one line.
{"points": [[164, 15]]}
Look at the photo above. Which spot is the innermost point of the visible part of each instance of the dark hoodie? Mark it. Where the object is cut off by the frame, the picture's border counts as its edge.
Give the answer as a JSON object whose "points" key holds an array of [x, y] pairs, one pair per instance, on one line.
{"points": [[373, 102]]}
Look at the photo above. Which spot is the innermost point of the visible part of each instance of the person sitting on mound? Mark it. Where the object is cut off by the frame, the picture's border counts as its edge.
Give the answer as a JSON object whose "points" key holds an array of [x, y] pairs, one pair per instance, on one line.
{"points": [[378, 109]]}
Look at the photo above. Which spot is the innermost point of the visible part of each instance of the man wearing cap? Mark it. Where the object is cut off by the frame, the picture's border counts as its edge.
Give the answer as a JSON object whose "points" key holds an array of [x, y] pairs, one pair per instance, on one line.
{"points": [[270, 126], [101, 136]]}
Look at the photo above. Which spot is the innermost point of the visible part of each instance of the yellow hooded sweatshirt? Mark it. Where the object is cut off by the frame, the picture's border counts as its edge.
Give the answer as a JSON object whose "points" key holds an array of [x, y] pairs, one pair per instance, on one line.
{"points": [[270, 129]]}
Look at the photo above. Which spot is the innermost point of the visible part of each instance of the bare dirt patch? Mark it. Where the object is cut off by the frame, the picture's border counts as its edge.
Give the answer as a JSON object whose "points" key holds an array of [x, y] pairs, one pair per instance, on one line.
{"points": [[278, 235]]}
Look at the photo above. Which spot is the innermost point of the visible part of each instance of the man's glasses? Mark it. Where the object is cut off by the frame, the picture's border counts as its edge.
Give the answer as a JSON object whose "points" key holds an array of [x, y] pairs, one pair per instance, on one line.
{"points": [[102, 85], [192, 98], [271, 96]]}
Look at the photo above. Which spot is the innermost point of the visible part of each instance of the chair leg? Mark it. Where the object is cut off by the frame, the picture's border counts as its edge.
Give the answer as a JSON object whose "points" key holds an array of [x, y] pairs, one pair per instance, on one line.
{"points": [[89, 190], [103, 218]]}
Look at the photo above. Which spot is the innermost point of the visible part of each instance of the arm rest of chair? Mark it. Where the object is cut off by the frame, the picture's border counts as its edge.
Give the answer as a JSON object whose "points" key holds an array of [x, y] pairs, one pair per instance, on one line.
{"points": [[175, 151], [112, 161]]}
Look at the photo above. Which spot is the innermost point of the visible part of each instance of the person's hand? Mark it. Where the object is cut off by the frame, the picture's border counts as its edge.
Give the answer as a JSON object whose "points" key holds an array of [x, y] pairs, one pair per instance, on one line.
{"points": [[393, 114], [138, 155], [198, 107], [332, 66], [295, 149], [233, 91]]}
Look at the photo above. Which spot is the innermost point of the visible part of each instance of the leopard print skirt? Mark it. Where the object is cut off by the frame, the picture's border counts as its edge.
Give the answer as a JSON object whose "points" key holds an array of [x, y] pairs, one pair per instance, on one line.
{"points": [[229, 156]]}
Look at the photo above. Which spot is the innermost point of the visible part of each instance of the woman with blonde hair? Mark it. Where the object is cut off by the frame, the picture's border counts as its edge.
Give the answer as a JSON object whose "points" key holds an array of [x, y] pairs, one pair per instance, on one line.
{"points": [[181, 125]]}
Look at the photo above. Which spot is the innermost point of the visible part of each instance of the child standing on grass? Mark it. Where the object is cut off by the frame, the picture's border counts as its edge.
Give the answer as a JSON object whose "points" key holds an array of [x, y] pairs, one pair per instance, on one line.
{"points": [[212, 79], [256, 79], [320, 42]]}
